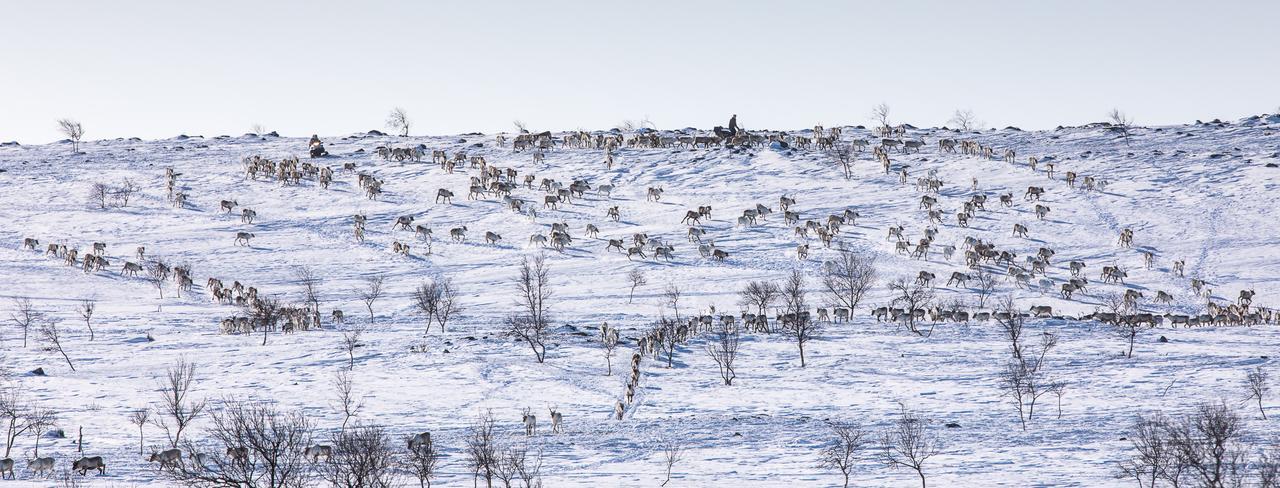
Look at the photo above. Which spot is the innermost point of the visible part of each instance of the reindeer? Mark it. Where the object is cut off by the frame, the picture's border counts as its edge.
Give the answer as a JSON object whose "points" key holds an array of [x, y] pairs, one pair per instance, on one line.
{"points": [[242, 238], [530, 422], [85, 464], [167, 458], [227, 205], [556, 420], [419, 441], [1041, 211], [492, 238], [654, 194], [458, 234], [691, 216], [40, 466], [247, 215], [924, 278], [403, 222], [130, 269], [314, 453], [443, 194]]}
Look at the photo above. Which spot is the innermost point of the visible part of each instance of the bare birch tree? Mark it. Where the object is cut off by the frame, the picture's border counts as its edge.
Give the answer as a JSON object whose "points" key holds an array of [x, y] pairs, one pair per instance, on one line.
{"points": [[841, 454], [372, 291], [723, 349], [534, 288], [176, 404], [398, 119], [51, 335], [847, 278], [909, 444], [74, 132], [24, 316], [86, 308]]}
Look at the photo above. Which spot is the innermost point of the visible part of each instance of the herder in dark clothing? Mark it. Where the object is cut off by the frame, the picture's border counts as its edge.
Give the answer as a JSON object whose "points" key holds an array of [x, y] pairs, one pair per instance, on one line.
{"points": [[733, 125]]}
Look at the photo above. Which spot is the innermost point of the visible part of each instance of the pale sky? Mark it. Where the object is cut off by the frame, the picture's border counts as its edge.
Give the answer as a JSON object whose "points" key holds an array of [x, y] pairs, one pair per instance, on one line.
{"points": [[157, 69]]}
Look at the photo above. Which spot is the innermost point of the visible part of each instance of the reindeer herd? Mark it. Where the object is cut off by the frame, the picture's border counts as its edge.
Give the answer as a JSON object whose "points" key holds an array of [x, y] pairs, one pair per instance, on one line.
{"points": [[492, 181], [511, 186]]}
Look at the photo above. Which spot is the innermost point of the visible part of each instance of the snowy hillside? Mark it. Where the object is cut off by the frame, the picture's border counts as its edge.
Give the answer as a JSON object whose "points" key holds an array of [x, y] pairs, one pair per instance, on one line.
{"points": [[1201, 194]]}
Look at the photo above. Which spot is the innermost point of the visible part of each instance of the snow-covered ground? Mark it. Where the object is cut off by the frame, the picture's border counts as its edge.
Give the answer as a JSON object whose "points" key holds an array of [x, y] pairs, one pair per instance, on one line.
{"points": [[1200, 193]]}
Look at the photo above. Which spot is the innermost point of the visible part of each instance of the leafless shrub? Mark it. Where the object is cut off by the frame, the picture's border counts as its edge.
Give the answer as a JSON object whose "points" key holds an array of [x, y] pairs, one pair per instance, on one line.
{"points": [[1024, 378], [41, 420], [880, 113], [266, 315], [398, 119], [70, 479], [175, 401], [723, 349], [672, 453], [609, 342], [847, 278], [157, 272], [437, 299], [909, 444], [844, 156], [984, 286], [521, 127], [528, 466], [910, 297], [841, 454], [361, 459], [100, 195], [345, 401], [1120, 122], [798, 326], [964, 120], [1205, 448], [667, 332], [74, 131], [637, 279], [1268, 467], [1115, 304], [534, 288], [309, 281], [274, 442], [51, 335], [123, 193], [1011, 325], [371, 292], [759, 294], [482, 449], [1258, 388], [350, 342], [672, 295], [1155, 459], [24, 315], [139, 418], [15, 412], [86, 309]]}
